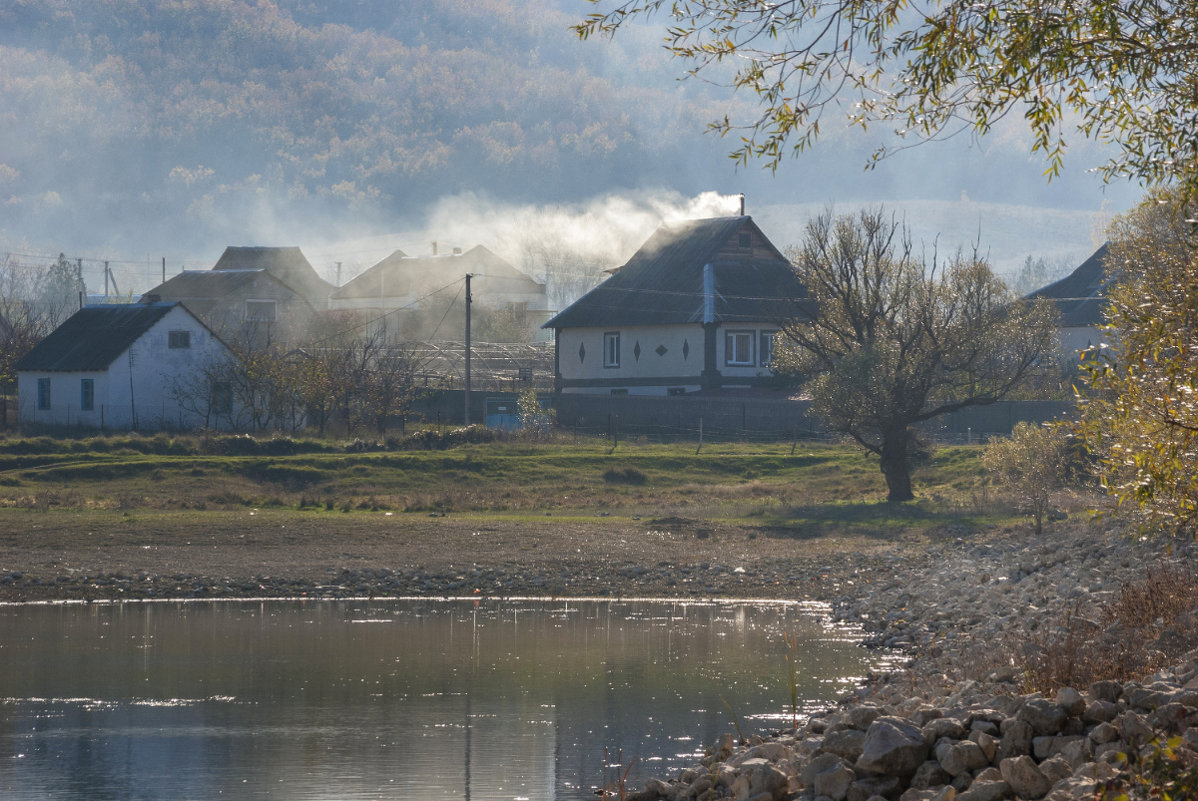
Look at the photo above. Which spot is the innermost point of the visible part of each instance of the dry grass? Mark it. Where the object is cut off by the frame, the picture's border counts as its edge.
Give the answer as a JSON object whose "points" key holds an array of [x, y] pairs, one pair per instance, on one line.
{"points": [[1148, 626]]}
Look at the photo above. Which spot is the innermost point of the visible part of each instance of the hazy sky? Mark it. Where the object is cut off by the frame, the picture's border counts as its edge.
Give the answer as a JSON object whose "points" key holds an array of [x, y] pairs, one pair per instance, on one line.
{"points": [[137, 130]]}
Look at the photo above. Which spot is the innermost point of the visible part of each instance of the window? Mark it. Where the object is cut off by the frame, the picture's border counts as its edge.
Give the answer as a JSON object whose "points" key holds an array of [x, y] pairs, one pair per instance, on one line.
{"points": [[43, 393], [611, 349], [222, 397], [87, 394], [178, 339], [745, 241], [765, 350], [738, 348], [262, 311]]}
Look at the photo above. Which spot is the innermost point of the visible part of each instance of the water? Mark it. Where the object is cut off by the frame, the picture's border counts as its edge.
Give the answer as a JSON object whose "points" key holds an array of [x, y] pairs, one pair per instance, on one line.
{"points": [[413, 699]]}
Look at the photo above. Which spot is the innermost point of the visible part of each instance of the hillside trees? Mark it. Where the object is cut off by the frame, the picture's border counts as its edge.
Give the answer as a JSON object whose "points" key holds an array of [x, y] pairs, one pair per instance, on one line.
{"points": [[1140, 408], [895, 341], [1121, 72]]}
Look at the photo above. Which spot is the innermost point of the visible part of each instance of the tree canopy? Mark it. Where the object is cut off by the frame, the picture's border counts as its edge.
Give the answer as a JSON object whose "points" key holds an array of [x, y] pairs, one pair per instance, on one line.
{"points": [[895, 341], [1141, 403], [1122, 72]]}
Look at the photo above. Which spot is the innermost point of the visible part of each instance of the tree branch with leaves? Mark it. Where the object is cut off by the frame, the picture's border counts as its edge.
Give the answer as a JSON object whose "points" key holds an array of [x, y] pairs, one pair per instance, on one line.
{"points": [[1123, 72]]}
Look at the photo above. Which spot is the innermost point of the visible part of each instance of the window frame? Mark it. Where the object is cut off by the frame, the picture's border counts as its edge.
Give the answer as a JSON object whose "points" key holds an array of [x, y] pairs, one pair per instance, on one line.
{"points": [[87, 394], [611, 350], [765, 347], [178, 339], [43, 393], [730, 338]]}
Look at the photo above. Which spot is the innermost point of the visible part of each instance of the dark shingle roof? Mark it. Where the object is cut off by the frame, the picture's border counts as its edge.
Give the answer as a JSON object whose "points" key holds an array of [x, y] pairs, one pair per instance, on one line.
{"points": [[1080, 297], [286, 264], [663, 282], [93, 337]]}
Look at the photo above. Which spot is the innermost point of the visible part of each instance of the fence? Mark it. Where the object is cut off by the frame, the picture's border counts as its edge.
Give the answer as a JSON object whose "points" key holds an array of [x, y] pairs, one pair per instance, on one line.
{"points": [[749, 419]]}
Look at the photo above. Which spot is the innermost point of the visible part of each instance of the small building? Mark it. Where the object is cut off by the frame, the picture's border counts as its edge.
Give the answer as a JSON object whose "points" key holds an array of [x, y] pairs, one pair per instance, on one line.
{"points": [[1080, 297], [696, 308], [131, 366], [402, 283]]}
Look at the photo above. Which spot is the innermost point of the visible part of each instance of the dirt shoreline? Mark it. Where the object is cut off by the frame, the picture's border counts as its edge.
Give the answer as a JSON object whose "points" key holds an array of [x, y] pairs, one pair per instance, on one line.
{"points": [[269, 553]]}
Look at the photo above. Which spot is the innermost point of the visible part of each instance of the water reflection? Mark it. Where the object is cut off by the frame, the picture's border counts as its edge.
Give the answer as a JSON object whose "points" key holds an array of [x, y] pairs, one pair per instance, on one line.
{"points": [[474, 700]]}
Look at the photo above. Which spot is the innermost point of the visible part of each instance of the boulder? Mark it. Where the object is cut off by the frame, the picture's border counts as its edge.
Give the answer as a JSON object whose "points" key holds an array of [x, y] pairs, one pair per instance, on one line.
{"points": [[846, 744], [1045, 717], [1016, 739], [1024, 777], [930, 774], [1071, 701], [960, 757], [893, 747], [1100, 711], [818, 765], [943, 727], [986, 742], [833, 783]]}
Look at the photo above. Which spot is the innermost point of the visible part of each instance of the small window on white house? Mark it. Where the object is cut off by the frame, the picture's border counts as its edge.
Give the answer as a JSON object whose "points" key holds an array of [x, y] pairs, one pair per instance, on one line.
{"points": [[611, 349], [43, 393], [260, 311], [738, 348], [87, 394], [177, 340], [765, 349]]}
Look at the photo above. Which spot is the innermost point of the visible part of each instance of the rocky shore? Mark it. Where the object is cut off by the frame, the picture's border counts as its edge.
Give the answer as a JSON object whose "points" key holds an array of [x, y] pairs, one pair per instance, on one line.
{"points": [[956, 725]]}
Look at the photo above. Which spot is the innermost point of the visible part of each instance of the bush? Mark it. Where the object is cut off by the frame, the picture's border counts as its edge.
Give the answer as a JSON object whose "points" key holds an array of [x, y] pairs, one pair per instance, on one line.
{"points": [[1032, 464], [629, 475]]}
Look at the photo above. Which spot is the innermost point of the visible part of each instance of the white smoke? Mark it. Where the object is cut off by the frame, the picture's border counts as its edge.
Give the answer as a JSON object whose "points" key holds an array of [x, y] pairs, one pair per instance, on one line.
{"points": [[567, 246]]}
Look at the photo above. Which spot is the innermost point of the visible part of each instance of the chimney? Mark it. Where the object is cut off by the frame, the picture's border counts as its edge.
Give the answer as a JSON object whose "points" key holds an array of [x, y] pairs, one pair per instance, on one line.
{"points": [[742, 204], [434, 248]]}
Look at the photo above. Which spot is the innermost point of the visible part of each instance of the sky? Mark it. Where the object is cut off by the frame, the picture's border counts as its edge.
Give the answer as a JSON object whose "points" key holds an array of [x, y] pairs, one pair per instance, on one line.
{"points": [[144, 131]]}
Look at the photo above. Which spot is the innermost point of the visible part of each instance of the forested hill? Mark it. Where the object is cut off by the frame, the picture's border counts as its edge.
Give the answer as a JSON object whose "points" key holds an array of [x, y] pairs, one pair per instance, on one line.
{"points": [[143, 129], [186, 109]]}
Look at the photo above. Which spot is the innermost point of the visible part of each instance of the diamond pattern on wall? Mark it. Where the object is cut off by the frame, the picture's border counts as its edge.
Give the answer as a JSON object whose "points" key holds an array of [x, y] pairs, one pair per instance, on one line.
{"points": [[636, 350], [662, 350], [686, 349], [582, 352]]}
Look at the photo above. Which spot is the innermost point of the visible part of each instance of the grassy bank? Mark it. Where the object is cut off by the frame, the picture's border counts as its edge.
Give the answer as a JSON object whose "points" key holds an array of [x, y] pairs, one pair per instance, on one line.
{"points": [[809, 486]]}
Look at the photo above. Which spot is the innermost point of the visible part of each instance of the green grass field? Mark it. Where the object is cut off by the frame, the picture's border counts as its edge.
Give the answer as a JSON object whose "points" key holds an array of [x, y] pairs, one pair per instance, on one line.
{"points": [[799, 489]]}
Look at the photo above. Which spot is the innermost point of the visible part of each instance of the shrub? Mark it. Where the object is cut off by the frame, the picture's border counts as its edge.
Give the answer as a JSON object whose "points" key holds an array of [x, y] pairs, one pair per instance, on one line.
{"points": [[629, 475], [1032, 464]]}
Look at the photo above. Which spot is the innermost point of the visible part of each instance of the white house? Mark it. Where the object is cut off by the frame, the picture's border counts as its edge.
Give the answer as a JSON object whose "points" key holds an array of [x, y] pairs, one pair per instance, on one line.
{"points": [[125, 366], [1080, 297], [696, 308]]}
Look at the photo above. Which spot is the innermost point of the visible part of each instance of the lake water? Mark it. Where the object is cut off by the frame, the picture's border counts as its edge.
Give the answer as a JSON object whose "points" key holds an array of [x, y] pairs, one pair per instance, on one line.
{"points": [[409, 699]]}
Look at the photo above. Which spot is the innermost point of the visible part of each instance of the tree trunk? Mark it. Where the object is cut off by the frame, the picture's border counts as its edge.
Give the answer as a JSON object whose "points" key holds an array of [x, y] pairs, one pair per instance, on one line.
{"points": [[895, 465]]}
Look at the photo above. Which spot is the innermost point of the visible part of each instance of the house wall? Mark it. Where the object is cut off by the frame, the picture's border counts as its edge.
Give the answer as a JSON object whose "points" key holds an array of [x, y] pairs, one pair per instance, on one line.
{"points": [[654, 359], [1072, 340], [138, 388]]}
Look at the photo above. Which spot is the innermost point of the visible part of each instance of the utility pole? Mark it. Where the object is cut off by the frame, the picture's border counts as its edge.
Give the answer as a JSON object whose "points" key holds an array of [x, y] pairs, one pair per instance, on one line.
{"points": [[164, 269], [105, 281], [468, 300]]}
